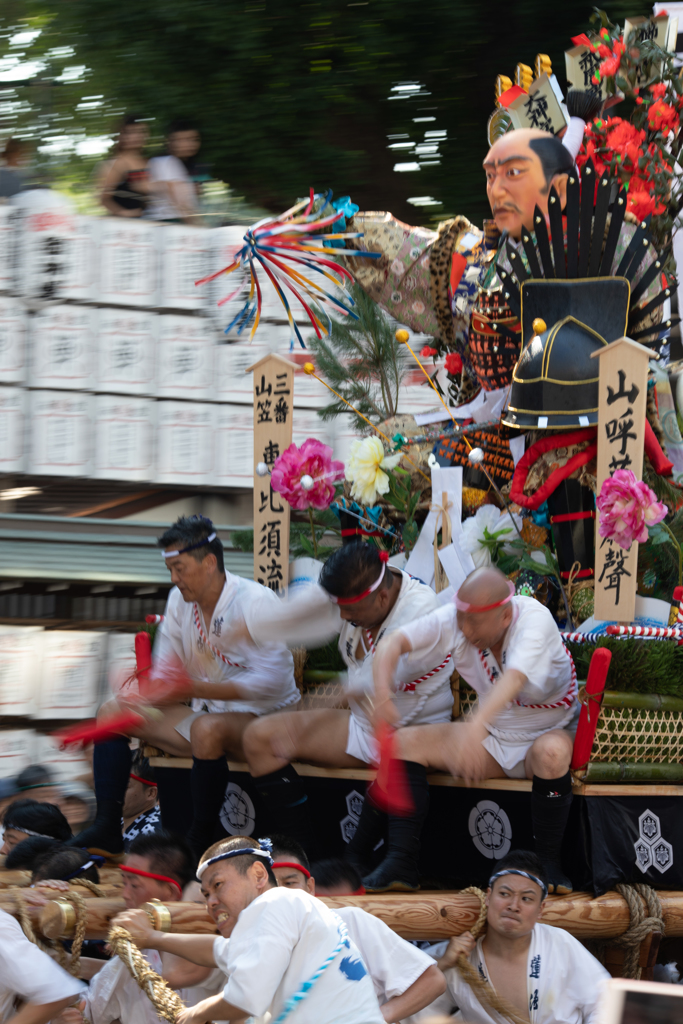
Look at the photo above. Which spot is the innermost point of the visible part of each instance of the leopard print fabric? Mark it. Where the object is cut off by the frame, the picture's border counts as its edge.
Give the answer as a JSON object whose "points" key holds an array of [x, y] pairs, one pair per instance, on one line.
{"points": [[449, 231]]}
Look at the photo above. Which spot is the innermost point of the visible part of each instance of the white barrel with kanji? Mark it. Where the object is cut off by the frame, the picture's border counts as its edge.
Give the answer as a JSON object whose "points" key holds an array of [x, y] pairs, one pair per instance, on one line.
{"points": [[43, 227]]}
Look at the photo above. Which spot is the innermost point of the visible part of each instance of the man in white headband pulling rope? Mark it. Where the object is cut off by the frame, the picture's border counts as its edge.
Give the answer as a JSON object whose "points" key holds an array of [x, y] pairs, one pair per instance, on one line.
{"points": [[229, 686], [283, 951], [158, 867], [542, 971], [363, 601], [510, 651]]}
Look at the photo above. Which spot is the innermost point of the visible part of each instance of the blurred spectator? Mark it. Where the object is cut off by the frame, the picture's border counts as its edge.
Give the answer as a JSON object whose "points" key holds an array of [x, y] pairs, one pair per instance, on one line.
{"points": [[25, 818], [8, 792], [40, 783], [141, 815], [24, 856], [77, 805], [173, 194], [123, 180], [15, 158], [336, 877]]}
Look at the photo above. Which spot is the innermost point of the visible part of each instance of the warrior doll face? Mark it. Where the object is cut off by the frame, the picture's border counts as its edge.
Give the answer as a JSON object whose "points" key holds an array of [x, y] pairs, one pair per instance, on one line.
{"points": [[516, 181]]}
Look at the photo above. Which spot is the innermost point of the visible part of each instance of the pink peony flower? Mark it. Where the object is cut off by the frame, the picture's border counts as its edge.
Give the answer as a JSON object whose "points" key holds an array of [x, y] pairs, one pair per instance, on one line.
{"points": [[627, 507], [314, 460]]}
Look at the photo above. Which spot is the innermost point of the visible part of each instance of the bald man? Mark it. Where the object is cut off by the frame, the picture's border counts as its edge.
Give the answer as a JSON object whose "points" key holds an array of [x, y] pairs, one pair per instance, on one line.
{"points": [[510, 651]]}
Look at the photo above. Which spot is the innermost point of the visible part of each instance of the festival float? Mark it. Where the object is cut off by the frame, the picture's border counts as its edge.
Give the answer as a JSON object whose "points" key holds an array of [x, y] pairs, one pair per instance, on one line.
{"points": [[554, 452]]}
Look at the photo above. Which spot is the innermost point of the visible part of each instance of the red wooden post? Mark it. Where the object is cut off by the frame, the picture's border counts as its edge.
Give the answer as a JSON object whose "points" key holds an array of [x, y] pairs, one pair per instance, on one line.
{"points": [[590, 712]]}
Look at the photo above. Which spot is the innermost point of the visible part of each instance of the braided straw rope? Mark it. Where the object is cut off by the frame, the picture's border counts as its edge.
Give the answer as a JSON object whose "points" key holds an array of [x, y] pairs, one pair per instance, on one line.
{"points": [[641, 924], [51, 946], [95, 889], [166, 1002], [481, 988]]}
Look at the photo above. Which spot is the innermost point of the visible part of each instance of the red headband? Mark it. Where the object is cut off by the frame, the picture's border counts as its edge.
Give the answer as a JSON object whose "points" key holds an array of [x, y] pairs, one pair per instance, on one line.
{"points": [[145, 781], [384, 558], [150, 874], [139, 778], [291, 864], [360, 891], [476, 609]]}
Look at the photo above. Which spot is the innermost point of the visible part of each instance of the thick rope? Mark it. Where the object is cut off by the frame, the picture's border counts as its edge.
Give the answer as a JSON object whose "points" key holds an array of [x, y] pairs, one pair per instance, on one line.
{"points": [[80, 907], [486, 995], [49, 947], [95, 889], [641, 925], [166, 1002]]}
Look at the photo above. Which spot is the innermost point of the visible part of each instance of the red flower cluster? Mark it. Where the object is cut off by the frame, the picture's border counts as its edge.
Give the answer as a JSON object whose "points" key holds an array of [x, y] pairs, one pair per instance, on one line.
{"points": [[426, 352], [662, 117], [625, 141], [612, 59], [453, 364]]}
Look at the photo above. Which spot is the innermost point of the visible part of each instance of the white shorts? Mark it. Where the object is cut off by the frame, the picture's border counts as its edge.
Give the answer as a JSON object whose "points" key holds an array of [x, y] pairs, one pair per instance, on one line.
{"points": [[362, 744], [185, 724], [510, 750]]}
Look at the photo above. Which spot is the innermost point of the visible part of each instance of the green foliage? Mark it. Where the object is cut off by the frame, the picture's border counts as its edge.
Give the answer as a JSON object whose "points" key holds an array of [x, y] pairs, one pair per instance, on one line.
{"points": [[300, 540], [637, 666], [405, 501], [327, 657], [292, 93], [362, 360]]}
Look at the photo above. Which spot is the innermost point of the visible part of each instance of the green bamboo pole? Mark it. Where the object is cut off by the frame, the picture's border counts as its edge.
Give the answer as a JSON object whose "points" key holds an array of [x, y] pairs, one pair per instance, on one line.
{"points": [[631, 771], [320, 675], [642, 701]]}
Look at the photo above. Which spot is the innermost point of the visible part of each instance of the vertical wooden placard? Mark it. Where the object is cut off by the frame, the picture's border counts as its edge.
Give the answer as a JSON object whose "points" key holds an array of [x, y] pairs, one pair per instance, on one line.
{"points": [[273, 413], [621, 437]]}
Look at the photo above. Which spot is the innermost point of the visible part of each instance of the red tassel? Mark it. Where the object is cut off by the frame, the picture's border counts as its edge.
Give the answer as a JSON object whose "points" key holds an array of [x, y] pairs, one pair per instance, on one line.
{"points": [[390, 791], [94, 732], [590, 712]]}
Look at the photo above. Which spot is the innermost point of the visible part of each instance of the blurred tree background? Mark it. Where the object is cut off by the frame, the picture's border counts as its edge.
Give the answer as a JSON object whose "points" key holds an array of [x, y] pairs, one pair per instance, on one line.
{"points": [[286, 93]]}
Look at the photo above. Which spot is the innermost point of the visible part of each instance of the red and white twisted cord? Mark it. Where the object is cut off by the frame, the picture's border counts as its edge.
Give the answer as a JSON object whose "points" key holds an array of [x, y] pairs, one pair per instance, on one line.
{"points": [[566, 701], [205, 639], [409, 687]]}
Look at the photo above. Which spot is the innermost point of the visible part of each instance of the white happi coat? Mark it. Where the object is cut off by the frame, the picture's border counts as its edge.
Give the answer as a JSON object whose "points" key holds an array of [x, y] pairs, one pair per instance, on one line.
{"points": [[27, 972], [393, 964], [114, 995], [564, 982], [310, 617], [278, 943], [532, 645], [263, 675]]}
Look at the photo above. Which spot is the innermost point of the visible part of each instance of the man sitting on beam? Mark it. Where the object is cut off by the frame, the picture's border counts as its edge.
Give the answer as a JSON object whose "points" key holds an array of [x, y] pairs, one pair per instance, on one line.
{"points": [[543, 972], [510, 651], [229, 687], [364, 601]]}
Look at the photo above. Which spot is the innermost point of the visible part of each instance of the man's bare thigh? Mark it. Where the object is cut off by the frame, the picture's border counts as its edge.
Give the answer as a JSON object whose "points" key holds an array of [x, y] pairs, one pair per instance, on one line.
{"points": [[226, 727], [159, 729], [315, 737], [435, 746]]}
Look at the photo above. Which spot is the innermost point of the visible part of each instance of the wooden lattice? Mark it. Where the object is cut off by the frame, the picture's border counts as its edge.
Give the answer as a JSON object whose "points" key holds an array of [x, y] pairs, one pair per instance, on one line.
{"points": [[629, 734]]}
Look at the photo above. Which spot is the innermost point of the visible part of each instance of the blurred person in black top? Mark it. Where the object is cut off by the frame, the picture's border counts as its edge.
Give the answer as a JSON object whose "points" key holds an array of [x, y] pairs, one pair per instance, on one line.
{"points": [[123, 181]]}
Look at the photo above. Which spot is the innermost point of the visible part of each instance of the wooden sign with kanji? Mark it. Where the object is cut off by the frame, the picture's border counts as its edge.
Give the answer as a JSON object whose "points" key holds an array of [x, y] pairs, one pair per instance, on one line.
{"points": [[621, 439], [273, 412]]}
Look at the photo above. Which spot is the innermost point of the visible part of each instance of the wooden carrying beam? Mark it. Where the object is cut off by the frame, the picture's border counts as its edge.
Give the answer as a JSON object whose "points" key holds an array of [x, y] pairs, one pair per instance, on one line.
{"points": [[108, 877], [413, 917]]}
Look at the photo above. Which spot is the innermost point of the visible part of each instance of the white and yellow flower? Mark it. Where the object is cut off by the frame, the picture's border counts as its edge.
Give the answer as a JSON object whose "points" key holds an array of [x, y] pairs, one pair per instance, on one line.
{"points": [[365, 469]]}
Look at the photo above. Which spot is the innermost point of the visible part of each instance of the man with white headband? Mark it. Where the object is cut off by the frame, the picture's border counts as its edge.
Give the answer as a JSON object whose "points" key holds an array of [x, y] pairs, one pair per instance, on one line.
{"points": [[405, 979], [364, 601], [284, 953], [542, 971], [229, 685], [157, 867], [510, 651]]}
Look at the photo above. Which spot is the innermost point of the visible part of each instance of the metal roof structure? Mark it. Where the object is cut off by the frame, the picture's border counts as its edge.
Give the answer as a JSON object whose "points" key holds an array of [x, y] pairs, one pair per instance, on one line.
{"points": [[49, 548]]}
